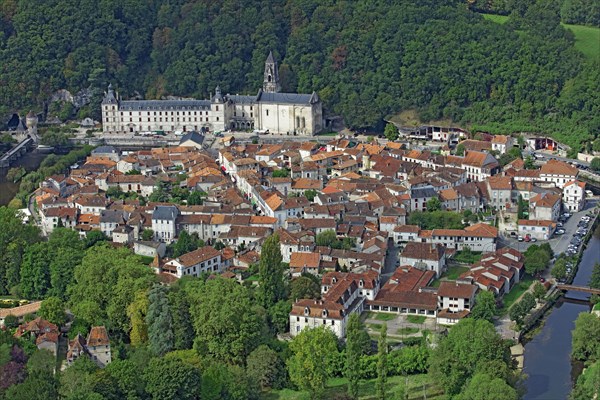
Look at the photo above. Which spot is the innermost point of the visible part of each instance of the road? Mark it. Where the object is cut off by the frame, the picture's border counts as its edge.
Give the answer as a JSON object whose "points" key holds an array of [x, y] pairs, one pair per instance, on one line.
{"points": [[390, 262]]}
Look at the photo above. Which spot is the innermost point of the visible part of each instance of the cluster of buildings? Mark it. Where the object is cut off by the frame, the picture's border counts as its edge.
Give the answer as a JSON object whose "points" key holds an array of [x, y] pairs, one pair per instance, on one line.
{"points": [[362, 194]]}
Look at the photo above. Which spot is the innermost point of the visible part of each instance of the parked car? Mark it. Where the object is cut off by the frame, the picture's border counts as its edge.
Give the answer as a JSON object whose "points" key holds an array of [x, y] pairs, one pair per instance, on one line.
{"points": [[533, 239], [520, 238], [559, 232], [527, 238]]}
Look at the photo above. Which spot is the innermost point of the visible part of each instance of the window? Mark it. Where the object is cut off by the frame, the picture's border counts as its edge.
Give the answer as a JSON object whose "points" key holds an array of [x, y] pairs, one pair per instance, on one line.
{"points": [[267, 113]]}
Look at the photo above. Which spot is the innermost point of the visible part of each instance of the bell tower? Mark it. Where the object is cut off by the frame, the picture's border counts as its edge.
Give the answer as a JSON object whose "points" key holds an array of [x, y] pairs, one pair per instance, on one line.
{"points": [[271, 77]]}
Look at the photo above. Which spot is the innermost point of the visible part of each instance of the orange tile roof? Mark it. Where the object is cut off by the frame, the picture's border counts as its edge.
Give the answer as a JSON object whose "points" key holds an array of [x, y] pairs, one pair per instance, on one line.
{"points": [[98, 336], [557, 167], [197, 256], [302, 260]]}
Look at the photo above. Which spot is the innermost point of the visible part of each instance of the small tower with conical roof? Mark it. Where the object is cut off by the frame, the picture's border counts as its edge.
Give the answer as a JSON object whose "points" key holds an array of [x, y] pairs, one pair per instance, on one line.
{"points": [[110, 109], [271, 76]]}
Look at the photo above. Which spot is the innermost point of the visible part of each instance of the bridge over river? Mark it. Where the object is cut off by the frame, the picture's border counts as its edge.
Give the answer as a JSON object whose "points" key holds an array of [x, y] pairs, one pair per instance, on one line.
{"points": [[584, 289], [16, 152]]}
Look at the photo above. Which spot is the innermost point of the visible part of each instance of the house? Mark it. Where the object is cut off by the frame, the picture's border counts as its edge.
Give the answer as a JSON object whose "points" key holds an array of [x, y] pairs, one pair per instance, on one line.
{"points": [[574, 196], [192, 139], [420, 196], [19, 311], [500, 189], [340, 299], [76, 348], [368, 282], [479, 166], [98, 346], [149, 249], [164, 225], [305, 262], [455, 301], [507, 259], [194, 263], [425, 256], [405, 233], [490, 278], [558, 172], [110, 220], [539, 229], [478, 237], [502, 143], [545, 206], [45, 333], [407, 292], [123, 234], [53, 217], [108, 152]]}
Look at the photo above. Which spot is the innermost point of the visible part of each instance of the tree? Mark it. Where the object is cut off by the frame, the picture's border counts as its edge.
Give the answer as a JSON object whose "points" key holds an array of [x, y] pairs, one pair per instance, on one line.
{"points": [[390, 132], [595, 278], [382, 367], [183, 330], [595, 164], [460, 150], [434, 204], [457, 356], [586, 337], [310, 194], [105, 283], [35, 271], [53, 310], [226, 325], [485, 306], [160, 322], [559, 270], [184, 244], [483, 387], [536, 260], [539, 291], [11, 321], [35, 387], [93, 237], [516, 313], [353, 354], [587, 383], [265, 367], [147, 235], [326, 238], [271, 287], [137, 312], [196, 198], [171, 379], [281, 173], [77, 379], [279, 316], [311, 363], [126, 375], [41, 362], [304, 287], [528, 301]]}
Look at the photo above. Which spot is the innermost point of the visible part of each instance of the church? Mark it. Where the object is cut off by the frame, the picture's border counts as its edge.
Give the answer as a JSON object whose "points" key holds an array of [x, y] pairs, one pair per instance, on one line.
{"points": [[269, 110]]}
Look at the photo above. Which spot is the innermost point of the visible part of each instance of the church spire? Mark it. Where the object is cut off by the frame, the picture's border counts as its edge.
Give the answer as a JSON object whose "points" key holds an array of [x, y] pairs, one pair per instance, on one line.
{"points": [[271, 77]]}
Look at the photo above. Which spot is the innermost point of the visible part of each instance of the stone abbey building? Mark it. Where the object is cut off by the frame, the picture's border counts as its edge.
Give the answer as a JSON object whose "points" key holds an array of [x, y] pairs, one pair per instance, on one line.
{"points": [[269, 110]]}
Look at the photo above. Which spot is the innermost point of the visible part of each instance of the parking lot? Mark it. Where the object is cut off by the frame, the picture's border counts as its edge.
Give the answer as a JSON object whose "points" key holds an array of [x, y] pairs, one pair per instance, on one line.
{"points": [[559, 243]]}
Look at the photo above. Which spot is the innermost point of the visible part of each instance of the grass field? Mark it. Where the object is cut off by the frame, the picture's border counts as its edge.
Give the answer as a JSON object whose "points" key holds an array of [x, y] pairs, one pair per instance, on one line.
{"points": [[515, 293], [587, 38], [416, 319], [380, 316], [419, 387], [407, 331]]}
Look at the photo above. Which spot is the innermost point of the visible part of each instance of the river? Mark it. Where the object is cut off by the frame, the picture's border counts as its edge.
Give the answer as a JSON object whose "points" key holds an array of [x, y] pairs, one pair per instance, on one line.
{"points": [[548, 355], [30, 161]]}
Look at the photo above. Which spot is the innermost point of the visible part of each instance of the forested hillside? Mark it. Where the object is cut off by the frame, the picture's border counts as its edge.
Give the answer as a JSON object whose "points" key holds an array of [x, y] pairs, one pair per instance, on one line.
{"points": [[368, 60]]}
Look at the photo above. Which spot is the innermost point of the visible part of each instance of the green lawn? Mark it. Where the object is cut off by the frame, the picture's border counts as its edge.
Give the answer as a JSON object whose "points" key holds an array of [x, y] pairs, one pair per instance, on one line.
{"points": [[500, 19], [515, 293], [455, 272], [407, 331], [587, 38], [375, 326], [380, 316], [418, 386], [416, 319]]}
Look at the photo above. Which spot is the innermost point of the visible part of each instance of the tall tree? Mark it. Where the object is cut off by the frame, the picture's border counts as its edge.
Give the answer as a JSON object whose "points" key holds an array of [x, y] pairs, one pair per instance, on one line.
{"points": [[265, 367], [484, 386], [53, 310], [382, 363], [586, 337], [160, 322], [172, 379], [353, 354], [270, 273], [227, 327], [485, 306], [183, 329], [311, 364], [137, 312]]}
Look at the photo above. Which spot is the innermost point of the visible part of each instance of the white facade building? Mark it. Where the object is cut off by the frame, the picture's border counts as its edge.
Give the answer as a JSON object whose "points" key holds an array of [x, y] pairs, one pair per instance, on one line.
{"points": [[269, 110], [574, 196]]}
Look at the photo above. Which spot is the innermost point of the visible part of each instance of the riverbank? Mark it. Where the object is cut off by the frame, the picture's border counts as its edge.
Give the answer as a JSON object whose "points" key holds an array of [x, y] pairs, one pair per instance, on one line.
{"points": [[547, 355]]}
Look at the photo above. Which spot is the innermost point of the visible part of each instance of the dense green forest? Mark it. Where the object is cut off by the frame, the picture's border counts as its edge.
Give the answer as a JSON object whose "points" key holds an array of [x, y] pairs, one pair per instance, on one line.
{"points": [[368, 60]]}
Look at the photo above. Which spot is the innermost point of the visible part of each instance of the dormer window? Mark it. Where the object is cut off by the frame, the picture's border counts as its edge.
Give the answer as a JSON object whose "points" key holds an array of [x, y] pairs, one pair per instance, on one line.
{"points": [[334, 280], [306, 311], [361, 283], [324, 313]]}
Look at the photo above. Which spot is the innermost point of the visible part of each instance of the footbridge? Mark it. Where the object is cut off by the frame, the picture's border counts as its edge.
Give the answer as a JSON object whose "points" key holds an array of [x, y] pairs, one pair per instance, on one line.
{"points": [[575, 288]]}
